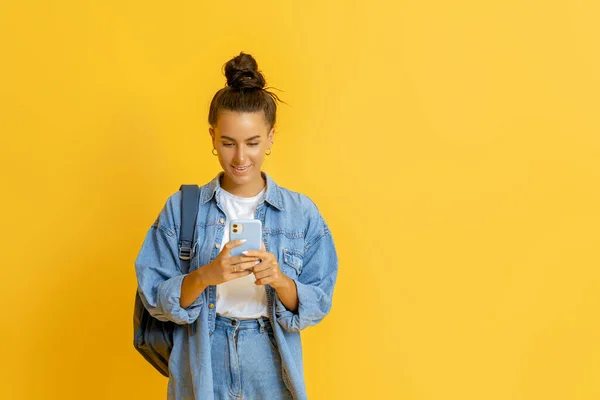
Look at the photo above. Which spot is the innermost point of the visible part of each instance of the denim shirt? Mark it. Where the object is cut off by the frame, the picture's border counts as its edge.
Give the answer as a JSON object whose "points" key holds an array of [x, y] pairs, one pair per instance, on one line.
{"points": [[293, 230]]}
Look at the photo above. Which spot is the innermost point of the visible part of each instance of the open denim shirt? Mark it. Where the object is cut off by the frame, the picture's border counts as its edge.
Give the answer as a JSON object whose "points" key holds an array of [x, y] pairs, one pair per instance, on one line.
{"points": [[293, 230]]}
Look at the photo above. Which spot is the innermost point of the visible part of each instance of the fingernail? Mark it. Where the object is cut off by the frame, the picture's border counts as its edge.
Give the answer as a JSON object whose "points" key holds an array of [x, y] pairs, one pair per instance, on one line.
{"points": [[245, 252], [242, 240], [256, 262]]}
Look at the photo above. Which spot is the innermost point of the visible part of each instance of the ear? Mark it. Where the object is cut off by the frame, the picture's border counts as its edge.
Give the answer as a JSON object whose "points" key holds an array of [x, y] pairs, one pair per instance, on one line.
{"points": [[271, 135], [211, 131]]}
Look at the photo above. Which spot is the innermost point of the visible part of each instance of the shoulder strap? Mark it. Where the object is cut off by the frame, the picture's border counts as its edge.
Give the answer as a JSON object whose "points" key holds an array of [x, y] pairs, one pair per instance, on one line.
{"points": [[189, 210]]}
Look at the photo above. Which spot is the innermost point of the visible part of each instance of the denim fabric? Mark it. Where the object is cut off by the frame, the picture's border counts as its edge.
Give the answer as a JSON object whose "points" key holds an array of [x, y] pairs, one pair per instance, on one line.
{"points": [[245, 360], [293, 230]]}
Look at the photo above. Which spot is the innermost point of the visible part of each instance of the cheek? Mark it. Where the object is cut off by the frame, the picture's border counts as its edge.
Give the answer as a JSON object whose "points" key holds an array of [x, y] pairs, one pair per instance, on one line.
{"points": [[223, 154], [257, 152], [227, 152]]}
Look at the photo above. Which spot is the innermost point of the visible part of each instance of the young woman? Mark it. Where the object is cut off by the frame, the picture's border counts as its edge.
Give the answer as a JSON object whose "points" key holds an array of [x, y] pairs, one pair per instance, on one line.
{"points": [[248, 310]]}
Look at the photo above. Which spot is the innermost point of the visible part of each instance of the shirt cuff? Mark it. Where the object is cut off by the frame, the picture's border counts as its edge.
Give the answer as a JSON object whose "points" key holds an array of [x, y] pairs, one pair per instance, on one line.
{"points": [[307, 305], [169, 294]]}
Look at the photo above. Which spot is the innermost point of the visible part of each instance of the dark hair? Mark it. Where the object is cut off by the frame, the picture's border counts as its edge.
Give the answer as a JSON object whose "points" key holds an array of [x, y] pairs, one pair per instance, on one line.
{"points": [[245, 91]]}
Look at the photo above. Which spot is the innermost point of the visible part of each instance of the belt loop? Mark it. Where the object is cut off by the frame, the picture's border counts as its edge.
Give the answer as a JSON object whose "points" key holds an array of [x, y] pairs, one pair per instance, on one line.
{"points": [[262, 324]]}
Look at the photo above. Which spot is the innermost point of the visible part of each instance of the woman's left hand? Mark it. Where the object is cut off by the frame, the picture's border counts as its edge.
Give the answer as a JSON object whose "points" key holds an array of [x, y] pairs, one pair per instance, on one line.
{"points": [[267, 271]]}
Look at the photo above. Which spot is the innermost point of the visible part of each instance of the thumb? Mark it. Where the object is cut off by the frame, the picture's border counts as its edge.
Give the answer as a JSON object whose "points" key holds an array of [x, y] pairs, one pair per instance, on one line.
{"points": [[262, 246]]}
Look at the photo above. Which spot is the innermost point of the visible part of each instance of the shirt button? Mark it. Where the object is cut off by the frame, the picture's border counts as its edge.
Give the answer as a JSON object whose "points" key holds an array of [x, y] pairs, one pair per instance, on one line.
{"points": [[211, 305], [221, 220], [217, 245]]}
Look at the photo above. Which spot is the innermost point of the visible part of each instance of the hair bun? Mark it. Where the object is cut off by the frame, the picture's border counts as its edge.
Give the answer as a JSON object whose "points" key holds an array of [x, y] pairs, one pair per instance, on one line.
{"points": [[242, 73]]}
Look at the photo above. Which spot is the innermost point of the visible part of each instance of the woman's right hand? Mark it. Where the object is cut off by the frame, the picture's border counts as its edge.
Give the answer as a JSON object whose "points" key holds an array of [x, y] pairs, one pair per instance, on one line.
{"points": [[221, 268]]}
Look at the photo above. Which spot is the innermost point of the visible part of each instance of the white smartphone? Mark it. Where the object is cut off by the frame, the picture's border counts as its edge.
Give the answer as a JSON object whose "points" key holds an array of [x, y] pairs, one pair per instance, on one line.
{"points": [[249, 229]]}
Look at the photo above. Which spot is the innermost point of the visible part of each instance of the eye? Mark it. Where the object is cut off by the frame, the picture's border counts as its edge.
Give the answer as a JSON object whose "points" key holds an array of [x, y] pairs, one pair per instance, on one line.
{"points": [[227, 144], [253, 144]]}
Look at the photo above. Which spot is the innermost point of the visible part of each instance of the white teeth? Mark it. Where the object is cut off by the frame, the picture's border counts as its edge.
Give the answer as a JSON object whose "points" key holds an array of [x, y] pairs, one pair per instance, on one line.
{"points": [[240, 169]]}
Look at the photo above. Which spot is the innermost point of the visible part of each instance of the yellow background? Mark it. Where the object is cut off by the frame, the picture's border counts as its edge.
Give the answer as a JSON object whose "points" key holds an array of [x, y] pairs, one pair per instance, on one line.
{"points": [[451, 146]]}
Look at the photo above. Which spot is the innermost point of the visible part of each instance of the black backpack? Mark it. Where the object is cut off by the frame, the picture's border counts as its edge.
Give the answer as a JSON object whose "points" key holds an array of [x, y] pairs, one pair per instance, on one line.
{"points": [[151, 337]]}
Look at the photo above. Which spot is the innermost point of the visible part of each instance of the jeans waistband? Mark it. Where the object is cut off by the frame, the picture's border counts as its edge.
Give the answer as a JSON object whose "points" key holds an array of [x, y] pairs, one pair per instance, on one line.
{"points": [[254, 323]]}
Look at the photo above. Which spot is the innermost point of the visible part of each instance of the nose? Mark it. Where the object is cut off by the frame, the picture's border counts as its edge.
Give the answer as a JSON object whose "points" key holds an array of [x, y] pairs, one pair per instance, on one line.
{"points": [[239, 155]]}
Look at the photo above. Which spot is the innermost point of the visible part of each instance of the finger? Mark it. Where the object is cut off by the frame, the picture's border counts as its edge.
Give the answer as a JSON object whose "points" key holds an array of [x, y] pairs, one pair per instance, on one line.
{"points": [[239, 268], [233, 243], [229, 245], [262, 266], [262, 246], [265, 273], [241, 259], [247, 265], [264, 281], [238, 274], [256, 253]]}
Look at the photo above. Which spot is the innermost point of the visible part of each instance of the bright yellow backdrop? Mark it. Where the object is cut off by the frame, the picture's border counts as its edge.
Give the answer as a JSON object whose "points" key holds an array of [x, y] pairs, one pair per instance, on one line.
{"points": [[452, 147]]}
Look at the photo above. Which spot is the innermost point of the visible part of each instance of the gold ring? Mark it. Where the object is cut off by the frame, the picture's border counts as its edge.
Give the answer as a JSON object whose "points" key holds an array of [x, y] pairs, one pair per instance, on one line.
{"points": [[234, 270]]}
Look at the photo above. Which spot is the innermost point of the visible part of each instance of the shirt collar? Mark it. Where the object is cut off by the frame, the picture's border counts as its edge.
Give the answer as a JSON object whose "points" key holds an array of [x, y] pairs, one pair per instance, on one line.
{"points": [[272, 195]]}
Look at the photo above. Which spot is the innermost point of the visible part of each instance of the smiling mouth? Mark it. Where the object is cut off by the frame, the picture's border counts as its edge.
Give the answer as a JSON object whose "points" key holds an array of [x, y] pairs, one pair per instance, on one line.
{"points": [[241, 168]]}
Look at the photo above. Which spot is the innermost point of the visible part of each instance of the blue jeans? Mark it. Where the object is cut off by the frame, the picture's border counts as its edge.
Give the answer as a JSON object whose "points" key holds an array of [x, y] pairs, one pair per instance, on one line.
{"points": [[245, 360]]}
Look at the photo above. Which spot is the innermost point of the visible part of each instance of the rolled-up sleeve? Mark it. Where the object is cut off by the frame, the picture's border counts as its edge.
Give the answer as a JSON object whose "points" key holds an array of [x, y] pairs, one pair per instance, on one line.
{"points": [[315, 284], [159, 275]]}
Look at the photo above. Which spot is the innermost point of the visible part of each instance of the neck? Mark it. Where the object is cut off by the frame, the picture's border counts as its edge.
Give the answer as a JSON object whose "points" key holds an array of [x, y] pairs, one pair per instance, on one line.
{"points": [[247, 189]]}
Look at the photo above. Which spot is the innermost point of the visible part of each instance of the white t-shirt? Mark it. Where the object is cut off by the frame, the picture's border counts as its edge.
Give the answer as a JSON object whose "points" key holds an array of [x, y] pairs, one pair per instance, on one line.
{"points": [[240, 298]]}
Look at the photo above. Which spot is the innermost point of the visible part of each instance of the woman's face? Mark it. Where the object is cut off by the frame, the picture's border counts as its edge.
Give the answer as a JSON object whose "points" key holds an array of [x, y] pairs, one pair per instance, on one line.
{"points": [[241, 140]]}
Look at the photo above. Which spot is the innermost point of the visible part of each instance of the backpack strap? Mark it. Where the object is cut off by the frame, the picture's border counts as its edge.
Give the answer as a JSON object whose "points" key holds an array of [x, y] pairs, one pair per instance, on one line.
{"points": [[190, 195], [189, 211]]}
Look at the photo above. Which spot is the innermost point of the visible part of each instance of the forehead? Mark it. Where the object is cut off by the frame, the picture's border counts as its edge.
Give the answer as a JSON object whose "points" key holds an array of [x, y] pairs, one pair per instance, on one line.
{"points": [[241, 124]]}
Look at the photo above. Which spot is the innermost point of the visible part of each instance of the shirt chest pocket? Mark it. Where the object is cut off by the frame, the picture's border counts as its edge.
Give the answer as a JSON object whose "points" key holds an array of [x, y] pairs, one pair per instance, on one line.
{"points": [[292, 263]]}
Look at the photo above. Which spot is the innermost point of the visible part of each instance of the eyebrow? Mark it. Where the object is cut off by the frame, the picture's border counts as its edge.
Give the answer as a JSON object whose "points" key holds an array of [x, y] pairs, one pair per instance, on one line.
{"points": [[232, 139]]}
